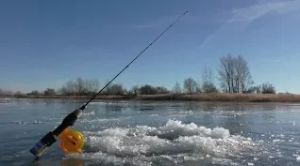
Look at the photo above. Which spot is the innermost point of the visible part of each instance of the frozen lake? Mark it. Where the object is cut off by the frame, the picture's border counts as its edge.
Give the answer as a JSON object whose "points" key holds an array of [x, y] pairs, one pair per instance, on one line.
{"points": [[154, 133]]}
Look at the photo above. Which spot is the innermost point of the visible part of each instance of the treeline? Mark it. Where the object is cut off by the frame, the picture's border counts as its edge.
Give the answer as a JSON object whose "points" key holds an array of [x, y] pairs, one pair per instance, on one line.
{"points": [[233, 76], [81, 87], [90, 87]]}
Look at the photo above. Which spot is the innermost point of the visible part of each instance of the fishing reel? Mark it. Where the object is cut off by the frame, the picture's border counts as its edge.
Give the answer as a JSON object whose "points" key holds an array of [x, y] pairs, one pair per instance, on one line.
{"points": [[71, 141]]}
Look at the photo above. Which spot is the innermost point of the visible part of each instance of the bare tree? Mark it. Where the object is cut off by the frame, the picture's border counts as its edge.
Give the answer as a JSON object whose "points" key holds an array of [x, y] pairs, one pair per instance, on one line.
{"points": [[49, 92], [243, 76], [208, 85], [207, 75], [198, 87], [177, 88], [148, 90], [134, 90], [92, 86], [254, 89], [79, 87], [34, 92], [234, 74], [69, 88], [190, 85], [116, 89], [226, 72], [18, 94], [268, 88], [107, 90], [161, 90]]}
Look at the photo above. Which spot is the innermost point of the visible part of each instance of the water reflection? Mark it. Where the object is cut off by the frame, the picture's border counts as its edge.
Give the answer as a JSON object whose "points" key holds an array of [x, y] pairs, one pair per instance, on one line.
{"points": [[71, 162], [145, 108], [63, 162], [269, 107], [209, 107], [114, 107]]}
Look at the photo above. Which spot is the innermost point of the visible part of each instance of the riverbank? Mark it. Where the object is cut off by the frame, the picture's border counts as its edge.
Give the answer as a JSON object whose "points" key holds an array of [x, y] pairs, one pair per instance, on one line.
{"points": [[223, 97]]}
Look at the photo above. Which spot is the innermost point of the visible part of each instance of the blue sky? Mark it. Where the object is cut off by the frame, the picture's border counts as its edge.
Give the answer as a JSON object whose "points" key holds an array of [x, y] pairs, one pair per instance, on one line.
{"points": [[45, 43]]}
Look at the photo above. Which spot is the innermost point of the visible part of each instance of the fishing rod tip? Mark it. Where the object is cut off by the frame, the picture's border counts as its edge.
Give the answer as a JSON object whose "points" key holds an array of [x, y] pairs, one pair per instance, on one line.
{"points": [[187, 12]]}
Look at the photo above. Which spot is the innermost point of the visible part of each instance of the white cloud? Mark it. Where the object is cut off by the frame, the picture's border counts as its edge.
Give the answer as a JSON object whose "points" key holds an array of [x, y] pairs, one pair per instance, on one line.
{"points": [[246, 14], [241, 17], [256, 11]]}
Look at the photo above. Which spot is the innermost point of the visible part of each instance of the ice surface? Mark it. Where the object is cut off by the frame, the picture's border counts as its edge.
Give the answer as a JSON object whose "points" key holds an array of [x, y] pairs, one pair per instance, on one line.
{"points": [[173, 142]]}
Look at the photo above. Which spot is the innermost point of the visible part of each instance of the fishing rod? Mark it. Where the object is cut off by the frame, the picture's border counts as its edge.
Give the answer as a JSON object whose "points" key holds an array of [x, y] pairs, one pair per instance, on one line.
{"points": [[39, 148]]}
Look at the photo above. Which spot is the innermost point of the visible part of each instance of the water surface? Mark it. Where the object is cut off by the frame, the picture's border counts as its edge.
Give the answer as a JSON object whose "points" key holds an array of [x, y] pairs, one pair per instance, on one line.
{"points": [[154, 133]]}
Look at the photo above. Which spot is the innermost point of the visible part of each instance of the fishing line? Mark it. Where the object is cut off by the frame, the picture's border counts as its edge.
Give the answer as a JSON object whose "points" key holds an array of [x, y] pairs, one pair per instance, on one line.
{"points": [[39, 148], [84, 106]]}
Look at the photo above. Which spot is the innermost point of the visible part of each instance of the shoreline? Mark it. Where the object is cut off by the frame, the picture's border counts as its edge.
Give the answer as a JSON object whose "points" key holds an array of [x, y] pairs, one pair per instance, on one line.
{"points": [[208, 97]]}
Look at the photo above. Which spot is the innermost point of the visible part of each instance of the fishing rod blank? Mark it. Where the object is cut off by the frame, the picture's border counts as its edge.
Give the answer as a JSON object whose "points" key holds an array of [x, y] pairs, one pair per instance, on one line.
{"points": [[39, 148]]}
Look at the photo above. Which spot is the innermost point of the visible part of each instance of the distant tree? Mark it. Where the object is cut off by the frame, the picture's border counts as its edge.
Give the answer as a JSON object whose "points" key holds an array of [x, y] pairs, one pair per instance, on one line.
{"points": [[136, 89], [226, 71], [258, 89], [18, 94], [34, 92], [69, 88], [198, 88], [5, 92], [207, 75], [116, 89], [148, 90], [63, 91], [133, 91], [190, 85], [177, 88], [254, 89], [79, 87], [268, 88], [107, 90], [209, 88], [91, 86], [162, 90], [208, 85], [49, 92], [234, 74], [243, 79], [251, 90]]}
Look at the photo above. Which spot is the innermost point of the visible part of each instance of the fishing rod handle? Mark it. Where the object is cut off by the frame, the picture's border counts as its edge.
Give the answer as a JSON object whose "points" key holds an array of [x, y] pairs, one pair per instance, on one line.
{"points": [[68, 121], [39, 148]]}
